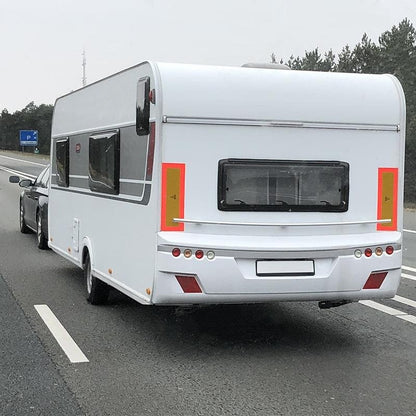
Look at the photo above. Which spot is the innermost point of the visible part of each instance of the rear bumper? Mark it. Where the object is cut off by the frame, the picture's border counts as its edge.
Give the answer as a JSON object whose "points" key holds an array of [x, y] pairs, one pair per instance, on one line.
{"points": [[231, 277]]}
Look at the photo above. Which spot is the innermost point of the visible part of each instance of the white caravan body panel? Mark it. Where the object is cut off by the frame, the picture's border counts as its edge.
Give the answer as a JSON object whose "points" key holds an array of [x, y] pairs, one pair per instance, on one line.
{"points": [[277, 177]]}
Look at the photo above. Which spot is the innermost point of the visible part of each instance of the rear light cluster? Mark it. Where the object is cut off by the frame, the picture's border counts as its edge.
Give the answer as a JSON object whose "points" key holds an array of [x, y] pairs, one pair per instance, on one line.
{"points": [[187, 253], [368, 252]]}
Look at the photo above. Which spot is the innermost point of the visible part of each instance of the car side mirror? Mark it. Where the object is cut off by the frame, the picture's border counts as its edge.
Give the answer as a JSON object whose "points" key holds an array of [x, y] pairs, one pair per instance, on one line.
{"points": [[14, 179], [25, 183]]}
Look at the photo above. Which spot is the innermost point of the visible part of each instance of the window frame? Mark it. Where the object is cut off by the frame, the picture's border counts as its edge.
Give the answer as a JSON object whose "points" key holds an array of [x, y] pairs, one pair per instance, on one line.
{"points": [[222, 180], [62, 178], [95, 185]]}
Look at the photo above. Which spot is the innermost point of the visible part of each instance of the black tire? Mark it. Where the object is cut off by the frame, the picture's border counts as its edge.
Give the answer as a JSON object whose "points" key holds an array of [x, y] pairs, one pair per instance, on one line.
{"points": [[23, 227], [40, 235], [97, 290]]}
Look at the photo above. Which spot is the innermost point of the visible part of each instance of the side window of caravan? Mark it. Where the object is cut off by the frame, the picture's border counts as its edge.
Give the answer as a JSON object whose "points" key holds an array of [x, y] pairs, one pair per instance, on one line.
{"points": [[262, 185], [62, 162], [143, 107], [104, 162]]}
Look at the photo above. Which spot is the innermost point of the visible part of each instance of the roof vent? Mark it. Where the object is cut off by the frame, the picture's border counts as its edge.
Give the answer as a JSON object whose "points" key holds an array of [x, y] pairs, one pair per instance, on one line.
{"points": [[265, 66]]}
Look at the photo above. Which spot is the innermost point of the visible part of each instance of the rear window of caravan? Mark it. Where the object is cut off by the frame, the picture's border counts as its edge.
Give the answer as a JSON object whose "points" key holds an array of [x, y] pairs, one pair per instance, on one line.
{"points": [[266, 185]]}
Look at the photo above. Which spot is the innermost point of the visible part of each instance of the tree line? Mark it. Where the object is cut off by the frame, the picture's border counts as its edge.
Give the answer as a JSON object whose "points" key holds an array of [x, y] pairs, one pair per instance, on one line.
{"points": [[32, 117], [394, 53]]}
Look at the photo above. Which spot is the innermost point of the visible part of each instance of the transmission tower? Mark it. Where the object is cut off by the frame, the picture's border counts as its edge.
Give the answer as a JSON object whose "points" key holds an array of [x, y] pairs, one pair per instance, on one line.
{"points": [[84, 65]]}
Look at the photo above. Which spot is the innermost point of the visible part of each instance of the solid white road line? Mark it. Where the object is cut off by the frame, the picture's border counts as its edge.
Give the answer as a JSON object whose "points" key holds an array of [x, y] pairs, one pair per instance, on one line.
{"points": [[405, 301], [388, 310], [409, 276], [409, 231], [61, 335], [18, 173], [409, 269], [24, 161]]}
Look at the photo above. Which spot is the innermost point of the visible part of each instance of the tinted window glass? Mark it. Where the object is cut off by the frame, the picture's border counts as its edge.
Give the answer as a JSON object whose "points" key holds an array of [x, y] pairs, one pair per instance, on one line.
{"points": [[247, 185], [143, 107], [62, 162], [104, 163]]}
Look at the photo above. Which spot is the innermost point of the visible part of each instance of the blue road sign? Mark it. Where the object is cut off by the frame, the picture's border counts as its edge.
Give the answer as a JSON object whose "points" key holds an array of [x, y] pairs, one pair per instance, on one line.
{"points": [[28, 137]]}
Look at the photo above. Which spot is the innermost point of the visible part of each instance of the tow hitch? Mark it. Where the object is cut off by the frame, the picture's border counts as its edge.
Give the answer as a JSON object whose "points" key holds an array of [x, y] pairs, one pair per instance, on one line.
{"points": [[326, 304]]}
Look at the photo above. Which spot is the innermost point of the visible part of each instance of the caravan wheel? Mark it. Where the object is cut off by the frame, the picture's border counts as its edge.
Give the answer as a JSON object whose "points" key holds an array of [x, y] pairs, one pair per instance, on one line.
{"points": [[97, 291]]}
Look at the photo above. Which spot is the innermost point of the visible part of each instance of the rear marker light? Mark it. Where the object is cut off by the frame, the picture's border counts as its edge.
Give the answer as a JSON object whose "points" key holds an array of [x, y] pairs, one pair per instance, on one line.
{"points": [[199, 254], [368, 252], [210, 255], [379, 251], [375, 280], [187, 253], [176, 252], [188, 284], [389, 250], [358, 253]]}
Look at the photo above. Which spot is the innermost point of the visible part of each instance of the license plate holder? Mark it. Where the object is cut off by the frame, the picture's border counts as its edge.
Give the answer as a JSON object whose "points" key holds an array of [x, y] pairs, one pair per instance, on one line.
{"points": [[299, 267]]}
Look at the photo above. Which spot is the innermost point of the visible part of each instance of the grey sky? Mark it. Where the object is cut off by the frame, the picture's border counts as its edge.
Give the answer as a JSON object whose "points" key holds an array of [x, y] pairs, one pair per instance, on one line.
{"points": [[42, 41]]}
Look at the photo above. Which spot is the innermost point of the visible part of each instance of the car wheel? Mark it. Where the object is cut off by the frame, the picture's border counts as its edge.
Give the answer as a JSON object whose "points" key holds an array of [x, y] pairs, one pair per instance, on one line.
{"points": [[41, 237], [23, 227], [97, 290]]}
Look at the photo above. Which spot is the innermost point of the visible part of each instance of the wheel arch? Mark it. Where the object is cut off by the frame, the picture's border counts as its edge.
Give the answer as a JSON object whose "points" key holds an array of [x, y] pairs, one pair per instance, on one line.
{"points": [[87, 249]]}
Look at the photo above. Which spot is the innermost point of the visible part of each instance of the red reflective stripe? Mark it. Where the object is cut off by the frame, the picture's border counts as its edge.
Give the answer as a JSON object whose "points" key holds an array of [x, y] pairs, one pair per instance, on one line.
{"points": [[375, 280], [189, 284], [387, 198]]}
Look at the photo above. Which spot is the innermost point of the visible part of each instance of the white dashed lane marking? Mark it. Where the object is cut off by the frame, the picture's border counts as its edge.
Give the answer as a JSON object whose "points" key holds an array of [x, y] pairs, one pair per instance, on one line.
{"points": [[68, 345]]}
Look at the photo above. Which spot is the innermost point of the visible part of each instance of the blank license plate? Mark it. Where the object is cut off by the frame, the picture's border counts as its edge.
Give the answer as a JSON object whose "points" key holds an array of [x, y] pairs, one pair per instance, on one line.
{"points": [[285, 268]]}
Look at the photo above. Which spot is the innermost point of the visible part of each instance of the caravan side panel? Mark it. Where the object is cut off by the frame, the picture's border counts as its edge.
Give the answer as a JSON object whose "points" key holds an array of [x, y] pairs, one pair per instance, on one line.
{"points": [[110, 203]]}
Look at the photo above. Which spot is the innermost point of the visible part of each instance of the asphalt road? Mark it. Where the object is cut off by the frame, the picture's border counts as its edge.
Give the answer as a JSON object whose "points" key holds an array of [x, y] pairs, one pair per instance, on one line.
{"points": [[276, 359]]}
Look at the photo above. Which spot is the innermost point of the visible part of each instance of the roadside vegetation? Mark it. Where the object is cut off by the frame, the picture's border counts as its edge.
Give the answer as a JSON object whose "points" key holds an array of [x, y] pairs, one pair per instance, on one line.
{"points": [[32, 117]]}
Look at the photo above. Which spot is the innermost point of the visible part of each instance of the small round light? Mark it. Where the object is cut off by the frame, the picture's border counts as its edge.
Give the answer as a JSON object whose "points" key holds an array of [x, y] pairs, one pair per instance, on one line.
{"points": [[389, 250], [199, 254], [358, 253], [379, 251], [187, 253], [176, 252], [368, 252], [210, 255]]}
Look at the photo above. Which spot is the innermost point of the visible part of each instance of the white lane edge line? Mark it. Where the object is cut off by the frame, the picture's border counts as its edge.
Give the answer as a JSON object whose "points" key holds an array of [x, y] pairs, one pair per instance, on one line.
{"points": [[16, 172], [405, 301], [408, 318], [408, 276], [68, 345], [25, 161], [388, 310], [409, 231], [409, 269]]}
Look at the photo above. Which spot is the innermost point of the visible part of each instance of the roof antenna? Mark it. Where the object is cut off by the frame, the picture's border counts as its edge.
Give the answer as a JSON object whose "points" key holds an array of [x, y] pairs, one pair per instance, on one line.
{"points": [[84, 65]]}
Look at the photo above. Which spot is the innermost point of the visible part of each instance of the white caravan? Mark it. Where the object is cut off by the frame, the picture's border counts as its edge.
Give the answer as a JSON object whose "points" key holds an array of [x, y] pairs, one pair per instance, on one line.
{"points": [[184, 184]]}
